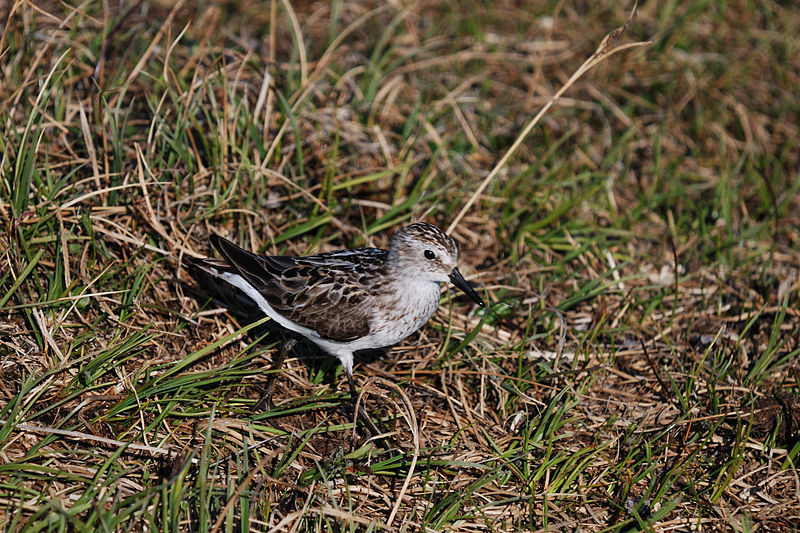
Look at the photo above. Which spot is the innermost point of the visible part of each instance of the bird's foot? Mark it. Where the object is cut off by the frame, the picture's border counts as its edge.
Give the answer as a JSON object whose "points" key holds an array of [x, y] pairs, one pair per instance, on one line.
{"points": [[286, 346]]}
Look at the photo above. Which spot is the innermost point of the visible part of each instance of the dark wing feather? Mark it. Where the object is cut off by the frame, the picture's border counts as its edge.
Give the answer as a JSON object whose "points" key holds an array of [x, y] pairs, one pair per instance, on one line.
{"points": [[323, 292]]}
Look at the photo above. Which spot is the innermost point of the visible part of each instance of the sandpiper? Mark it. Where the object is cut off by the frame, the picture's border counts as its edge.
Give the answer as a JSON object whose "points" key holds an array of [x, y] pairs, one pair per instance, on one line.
{"points": [[348, 300]]}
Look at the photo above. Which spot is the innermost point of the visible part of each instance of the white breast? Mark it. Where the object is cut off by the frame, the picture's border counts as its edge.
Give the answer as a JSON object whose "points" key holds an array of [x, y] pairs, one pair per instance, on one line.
{"points": [[410, 310]]}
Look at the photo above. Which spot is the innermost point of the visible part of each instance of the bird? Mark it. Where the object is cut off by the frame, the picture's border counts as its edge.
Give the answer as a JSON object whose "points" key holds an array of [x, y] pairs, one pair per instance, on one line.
{"points": [[348, 300]]}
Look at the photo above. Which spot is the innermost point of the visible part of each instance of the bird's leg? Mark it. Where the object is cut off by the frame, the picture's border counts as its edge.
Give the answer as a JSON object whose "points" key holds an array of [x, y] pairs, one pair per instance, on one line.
{"points": [[286, 345], [353, 394], [371, 427]]}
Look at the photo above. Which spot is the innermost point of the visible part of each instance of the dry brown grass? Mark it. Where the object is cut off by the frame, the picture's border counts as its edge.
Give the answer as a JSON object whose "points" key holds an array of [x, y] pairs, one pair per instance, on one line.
{"points": [[637, 367]]}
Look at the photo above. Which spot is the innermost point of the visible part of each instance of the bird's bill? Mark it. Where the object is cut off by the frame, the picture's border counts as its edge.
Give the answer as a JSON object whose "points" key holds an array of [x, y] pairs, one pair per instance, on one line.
{"points": [[458, 280]]}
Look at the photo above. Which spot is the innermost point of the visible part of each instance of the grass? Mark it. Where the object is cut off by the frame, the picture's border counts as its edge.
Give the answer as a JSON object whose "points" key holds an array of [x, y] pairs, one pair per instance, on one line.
{"points": [[636, 367]]}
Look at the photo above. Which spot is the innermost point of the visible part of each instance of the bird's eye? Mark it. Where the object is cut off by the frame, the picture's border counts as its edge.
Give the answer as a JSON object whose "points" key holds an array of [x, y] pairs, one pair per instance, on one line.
{"points": [[430, 255]]}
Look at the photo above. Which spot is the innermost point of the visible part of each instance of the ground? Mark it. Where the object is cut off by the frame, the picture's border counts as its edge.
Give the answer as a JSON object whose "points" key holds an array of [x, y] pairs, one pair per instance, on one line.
{"points": [[636, 366]]}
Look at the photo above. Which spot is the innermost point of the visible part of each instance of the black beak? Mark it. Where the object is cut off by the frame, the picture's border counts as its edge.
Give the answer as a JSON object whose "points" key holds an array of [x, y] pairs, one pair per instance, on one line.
{"points": [[458, 280]]}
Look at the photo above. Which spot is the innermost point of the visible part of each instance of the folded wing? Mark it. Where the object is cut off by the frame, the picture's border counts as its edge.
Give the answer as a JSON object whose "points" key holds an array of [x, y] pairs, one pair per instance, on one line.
{"points": [[324, 292]]}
